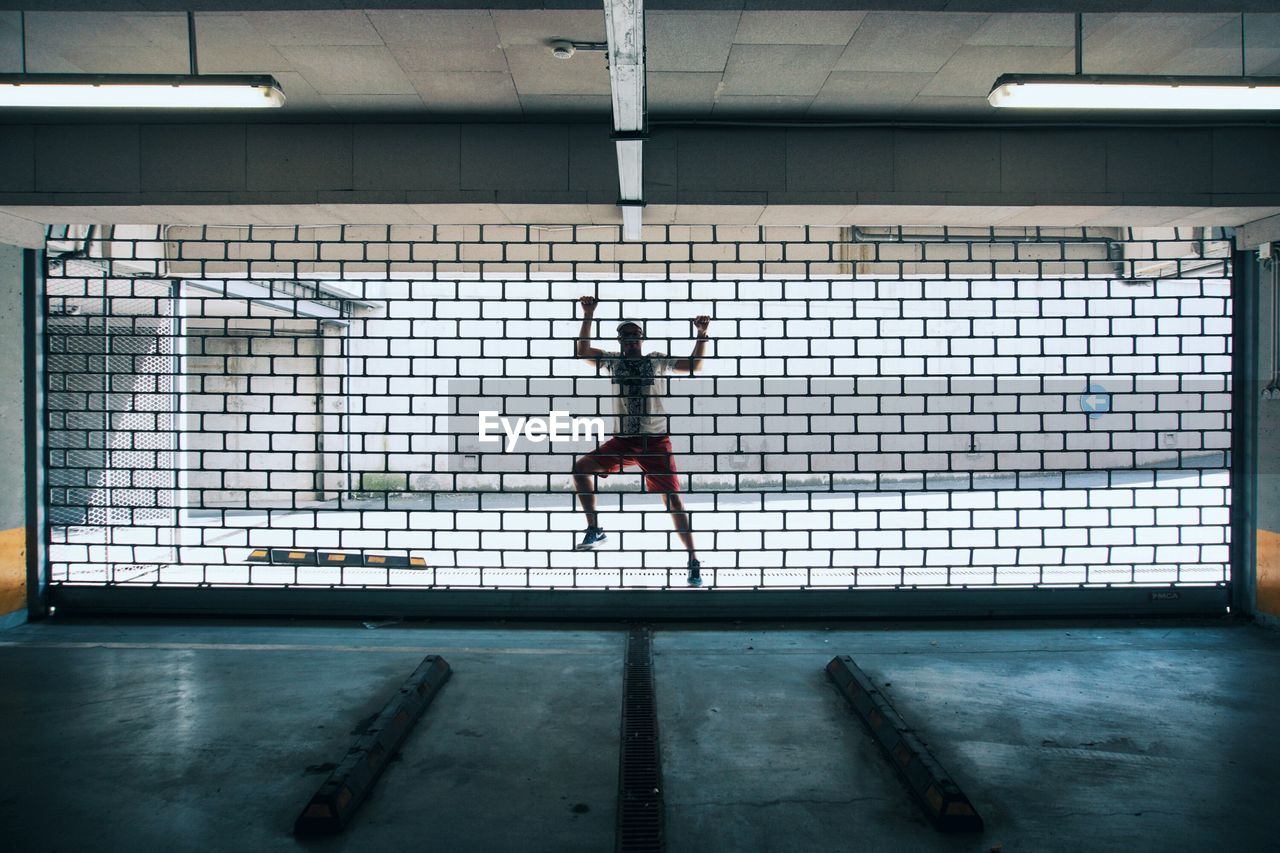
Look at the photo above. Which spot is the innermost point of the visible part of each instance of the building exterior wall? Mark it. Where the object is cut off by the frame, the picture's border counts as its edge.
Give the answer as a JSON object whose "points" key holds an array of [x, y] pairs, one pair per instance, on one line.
{"points": [[894, 359]]}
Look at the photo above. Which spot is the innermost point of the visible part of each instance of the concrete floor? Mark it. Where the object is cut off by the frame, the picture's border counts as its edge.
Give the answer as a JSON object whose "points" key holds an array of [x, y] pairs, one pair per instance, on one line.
{"points": [[199, 735]]}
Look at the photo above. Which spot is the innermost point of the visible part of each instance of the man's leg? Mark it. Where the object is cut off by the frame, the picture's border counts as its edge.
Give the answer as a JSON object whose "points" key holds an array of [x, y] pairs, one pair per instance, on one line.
{"points": [[604, 460], [681, 518], [659, 466], [583, 470]]}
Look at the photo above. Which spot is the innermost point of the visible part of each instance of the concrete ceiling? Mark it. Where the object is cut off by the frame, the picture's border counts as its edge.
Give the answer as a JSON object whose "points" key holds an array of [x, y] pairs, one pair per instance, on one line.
{"points": [[702, 64]]}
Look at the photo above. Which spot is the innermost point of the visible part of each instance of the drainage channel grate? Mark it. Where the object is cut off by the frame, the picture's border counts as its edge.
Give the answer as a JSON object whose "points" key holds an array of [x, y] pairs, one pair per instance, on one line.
{"points": [[640, 827]]}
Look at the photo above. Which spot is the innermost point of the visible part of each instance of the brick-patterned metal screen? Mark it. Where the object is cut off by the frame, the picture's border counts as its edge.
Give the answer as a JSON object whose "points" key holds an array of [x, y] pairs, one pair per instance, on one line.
{"points": [[876, 407]]}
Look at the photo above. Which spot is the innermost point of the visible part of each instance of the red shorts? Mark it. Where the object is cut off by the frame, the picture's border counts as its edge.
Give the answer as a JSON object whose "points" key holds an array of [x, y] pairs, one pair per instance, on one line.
{"points": [[651, 452]]}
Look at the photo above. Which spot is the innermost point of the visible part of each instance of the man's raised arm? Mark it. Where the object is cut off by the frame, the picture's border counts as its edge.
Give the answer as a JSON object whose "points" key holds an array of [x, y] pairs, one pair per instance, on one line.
{"points": [[582, 348], [693, 363]]}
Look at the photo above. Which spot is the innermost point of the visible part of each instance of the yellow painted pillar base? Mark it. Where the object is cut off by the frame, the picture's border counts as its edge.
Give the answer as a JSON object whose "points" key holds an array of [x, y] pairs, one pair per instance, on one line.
{"points": [[1269, 572], [13, 569]]}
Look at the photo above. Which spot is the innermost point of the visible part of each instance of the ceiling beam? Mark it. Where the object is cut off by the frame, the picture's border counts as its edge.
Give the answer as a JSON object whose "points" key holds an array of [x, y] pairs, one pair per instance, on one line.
{"points": [[624, 30], [245, 165], [135, 6]]}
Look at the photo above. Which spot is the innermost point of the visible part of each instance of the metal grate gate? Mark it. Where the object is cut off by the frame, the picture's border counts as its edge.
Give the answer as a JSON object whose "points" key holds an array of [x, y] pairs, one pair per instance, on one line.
{"points": [[877, 407]]}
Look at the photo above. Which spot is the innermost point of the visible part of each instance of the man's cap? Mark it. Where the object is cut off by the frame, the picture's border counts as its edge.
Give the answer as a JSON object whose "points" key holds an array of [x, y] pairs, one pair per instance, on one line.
{"points": [[631, 323]]}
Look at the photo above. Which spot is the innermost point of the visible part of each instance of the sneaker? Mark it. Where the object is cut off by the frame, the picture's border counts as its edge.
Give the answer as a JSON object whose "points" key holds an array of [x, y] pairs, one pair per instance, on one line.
{"points": [[695, 573], [591, 540]]}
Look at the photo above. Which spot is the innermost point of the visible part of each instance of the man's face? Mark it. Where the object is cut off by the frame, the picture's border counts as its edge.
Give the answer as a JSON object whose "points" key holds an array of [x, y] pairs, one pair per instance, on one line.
{"points": [[631, 339]]}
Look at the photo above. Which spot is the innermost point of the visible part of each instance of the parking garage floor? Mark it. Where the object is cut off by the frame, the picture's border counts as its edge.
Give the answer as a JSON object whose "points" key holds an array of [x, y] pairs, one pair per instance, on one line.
{"points": [[206, 735]]}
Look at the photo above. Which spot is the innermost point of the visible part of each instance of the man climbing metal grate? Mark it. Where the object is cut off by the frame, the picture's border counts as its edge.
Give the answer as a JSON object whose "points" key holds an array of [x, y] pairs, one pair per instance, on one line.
{"points": [[640, 433]]}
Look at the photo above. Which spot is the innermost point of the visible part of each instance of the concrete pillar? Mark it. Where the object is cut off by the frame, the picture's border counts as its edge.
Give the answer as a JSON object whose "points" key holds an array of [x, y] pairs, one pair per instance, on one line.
{"points": [[13, 531], [1267, 580]]}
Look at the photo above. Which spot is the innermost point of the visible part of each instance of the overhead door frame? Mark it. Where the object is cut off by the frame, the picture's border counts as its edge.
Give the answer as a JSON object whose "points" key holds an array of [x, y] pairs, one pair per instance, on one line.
{"points": [[1245, 390], [35, 459]]}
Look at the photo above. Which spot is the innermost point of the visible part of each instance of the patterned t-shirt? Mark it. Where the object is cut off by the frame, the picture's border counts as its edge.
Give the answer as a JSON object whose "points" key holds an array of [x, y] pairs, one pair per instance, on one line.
{"points": [[639, 386]]}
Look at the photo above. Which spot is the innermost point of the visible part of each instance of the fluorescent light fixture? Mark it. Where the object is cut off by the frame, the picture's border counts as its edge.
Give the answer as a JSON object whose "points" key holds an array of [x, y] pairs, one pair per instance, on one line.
{"points": [[631, 221], [1126, 92], [140, 91]]}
